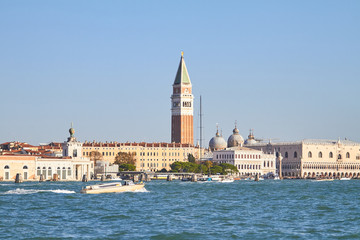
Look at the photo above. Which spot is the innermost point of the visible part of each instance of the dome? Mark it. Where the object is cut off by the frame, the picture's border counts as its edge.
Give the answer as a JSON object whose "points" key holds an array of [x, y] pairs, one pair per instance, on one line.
{"points": [[251, 138], [72, 132], [217, 142], [250, 141], [235, 139]]}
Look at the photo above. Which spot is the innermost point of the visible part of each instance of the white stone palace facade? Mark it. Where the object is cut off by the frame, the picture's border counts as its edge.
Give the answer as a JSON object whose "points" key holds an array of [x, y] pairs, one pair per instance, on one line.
{"points": [[312, 158], [249, 162]]}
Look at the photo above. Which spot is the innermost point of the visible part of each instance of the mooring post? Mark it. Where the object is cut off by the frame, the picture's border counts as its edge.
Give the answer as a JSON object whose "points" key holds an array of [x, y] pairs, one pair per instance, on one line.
{"points": [[84, 179], [18, 178]]}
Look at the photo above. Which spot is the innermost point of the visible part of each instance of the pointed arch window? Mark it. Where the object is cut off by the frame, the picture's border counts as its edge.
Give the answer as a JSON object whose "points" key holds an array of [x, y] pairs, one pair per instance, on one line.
{"points": [[295, 154], [286, 155], [331, 155], [339, 156], [309, 154], [320, 154], [347, 155]]}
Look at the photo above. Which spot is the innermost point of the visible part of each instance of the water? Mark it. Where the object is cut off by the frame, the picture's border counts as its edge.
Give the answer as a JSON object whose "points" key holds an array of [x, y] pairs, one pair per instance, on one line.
{"points": [[289, 209]]}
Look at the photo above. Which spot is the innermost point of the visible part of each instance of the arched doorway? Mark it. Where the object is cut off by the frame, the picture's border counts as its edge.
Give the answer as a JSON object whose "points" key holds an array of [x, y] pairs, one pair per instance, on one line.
{"points": [[25, 172]]}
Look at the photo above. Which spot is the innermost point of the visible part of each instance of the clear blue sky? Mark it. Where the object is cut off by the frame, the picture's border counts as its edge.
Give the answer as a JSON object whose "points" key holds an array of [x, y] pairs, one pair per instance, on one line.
{"points": [[288, 69]]}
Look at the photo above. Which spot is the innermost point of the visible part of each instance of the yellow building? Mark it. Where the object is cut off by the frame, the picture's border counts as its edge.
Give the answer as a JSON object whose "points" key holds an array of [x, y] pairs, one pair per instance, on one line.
{"points": [[148, 156]]}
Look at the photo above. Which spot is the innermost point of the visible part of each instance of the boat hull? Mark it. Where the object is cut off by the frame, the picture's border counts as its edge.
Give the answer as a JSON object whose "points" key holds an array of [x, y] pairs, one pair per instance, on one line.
{"points": [[116, 189]]}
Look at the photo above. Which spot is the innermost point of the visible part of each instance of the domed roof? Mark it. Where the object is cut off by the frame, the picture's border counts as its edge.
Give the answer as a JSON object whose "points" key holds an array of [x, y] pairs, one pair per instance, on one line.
{"points": [[235, 139], [251, 138], [217, 142], [250, 141]]}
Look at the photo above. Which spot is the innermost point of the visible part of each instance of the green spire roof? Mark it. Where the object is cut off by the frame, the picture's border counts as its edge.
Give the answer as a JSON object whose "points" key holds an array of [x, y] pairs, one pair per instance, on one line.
{"points": [[182, 76]]}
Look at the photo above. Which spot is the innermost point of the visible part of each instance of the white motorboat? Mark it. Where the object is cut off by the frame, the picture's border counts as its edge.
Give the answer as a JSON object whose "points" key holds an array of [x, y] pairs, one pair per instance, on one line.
{"points": [[128, 186], [345, 179], [227, 180], [215, 178]]}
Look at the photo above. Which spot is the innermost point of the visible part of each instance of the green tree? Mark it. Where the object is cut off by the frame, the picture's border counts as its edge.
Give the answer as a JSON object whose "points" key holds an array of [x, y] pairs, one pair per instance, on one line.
{"points": [[177, 167], [123, 157], [163, 170], [202, 168], [190, 167], [127, 167], [191, 158], [95, 156], [216, 169], [228, 168]]}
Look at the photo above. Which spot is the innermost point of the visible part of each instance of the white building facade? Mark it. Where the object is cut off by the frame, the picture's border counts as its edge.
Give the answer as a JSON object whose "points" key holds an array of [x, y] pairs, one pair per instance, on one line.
{"points": [[249, 162]]}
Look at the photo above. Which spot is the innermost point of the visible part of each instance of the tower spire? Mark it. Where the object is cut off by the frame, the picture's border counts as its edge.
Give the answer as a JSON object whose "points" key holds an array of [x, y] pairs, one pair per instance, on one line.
{"points": [[182, 106], [182, 75]]}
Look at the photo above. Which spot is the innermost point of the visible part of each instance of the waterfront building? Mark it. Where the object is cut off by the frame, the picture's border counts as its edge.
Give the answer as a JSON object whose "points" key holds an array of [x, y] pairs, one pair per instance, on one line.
{"points": [[312, 158], [81, 164], [106, 168], [10, 165], [182, 107], [249, 162], [148, 156], [32, 167], [69, 167]]}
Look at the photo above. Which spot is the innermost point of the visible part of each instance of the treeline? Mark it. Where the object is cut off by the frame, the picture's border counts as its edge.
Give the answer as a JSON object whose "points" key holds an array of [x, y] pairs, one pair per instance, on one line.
{"points": [[193, 167]]}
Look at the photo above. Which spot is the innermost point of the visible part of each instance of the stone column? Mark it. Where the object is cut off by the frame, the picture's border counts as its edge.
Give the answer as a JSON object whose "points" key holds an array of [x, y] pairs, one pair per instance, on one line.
{"points": [[280, 166]]}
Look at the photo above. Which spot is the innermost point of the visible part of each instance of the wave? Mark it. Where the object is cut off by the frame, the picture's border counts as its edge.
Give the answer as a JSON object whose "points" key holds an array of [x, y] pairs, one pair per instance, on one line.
{"points": [[32, 191], [142, 190]]}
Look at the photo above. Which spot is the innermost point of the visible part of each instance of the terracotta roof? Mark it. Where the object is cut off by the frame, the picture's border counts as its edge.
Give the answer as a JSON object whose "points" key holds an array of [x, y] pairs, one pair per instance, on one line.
{"points": [[135, 144]]}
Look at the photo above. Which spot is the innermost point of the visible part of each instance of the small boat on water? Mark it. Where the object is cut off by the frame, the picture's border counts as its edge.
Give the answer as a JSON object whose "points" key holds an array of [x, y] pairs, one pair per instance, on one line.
{"points": [[215, 178], [227, 180], [345, 179], [204, 179], [324, 179], [114, 187]]}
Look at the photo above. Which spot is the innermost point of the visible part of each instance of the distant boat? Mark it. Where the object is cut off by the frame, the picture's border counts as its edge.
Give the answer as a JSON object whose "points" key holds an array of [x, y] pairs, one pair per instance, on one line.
{"points": [[345, 179], [216, 179], [324, 180], [227, 180], [186, 179], [204, 179], [159, 177], [114, 187]]}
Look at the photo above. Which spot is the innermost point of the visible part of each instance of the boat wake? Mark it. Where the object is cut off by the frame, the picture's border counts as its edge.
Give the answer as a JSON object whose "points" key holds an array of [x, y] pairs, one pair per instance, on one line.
{"points": [[142, 190], [32, 191]]}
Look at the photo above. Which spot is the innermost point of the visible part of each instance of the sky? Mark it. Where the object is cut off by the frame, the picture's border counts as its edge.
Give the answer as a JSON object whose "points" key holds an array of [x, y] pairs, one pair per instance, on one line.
{"points": [[290, 70]]}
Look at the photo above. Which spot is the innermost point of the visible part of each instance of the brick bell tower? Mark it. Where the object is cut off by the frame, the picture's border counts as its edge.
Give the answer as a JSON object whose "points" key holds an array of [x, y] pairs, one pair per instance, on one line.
{"points": [[182, 123]]}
